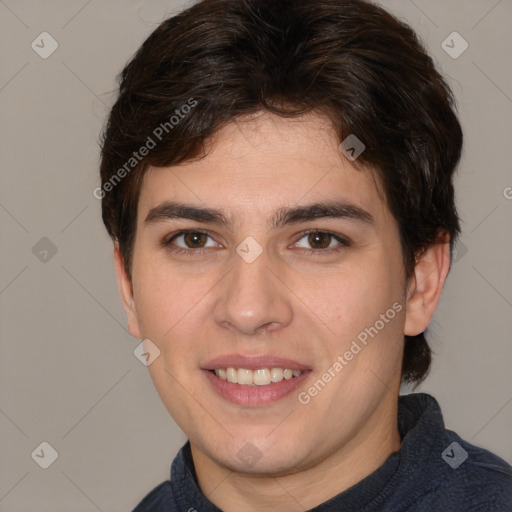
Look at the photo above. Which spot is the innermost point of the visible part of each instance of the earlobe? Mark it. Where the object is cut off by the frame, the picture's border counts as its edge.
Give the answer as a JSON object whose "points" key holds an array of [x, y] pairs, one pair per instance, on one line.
{"points": [[126, 290], [425, 287]]}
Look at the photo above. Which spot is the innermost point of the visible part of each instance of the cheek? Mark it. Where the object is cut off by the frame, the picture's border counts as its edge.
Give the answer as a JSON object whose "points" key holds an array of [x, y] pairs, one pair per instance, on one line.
{"points": [[169, 301], [347, 297], [364, 303], [159, 297]]}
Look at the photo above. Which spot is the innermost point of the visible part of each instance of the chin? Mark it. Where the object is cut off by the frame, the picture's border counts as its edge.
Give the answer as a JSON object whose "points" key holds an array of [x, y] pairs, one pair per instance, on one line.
{"points": [[261, 455]]}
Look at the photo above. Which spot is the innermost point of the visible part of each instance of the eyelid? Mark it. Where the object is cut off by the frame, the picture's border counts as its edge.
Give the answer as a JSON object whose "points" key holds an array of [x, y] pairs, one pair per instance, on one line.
{"points": [[167, 240], [342, 240]]}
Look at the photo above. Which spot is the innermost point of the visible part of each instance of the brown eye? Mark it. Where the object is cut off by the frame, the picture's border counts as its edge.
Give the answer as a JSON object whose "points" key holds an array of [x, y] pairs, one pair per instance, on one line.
{"points": [[322, 242], [319, 240], [188, 241], [194, 240]]}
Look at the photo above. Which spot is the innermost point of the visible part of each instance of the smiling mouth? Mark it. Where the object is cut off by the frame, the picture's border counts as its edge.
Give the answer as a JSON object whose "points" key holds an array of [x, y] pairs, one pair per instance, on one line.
{"points": [[259, 377]]}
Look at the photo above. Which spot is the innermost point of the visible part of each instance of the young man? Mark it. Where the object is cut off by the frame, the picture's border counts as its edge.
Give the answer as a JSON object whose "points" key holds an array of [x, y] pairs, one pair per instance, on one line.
{"points": [[277, 180]]}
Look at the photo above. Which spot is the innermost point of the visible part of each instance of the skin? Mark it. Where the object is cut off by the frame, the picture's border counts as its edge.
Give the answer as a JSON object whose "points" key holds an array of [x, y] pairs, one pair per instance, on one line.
{"points": [[296, 300]]}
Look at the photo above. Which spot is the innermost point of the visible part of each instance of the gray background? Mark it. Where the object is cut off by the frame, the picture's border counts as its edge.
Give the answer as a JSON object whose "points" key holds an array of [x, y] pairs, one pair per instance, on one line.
{"points": [[68, 375]]}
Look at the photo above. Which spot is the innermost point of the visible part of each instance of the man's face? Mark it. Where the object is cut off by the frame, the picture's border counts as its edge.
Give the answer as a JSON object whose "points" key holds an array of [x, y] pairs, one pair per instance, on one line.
{"points": [[259, 284]]}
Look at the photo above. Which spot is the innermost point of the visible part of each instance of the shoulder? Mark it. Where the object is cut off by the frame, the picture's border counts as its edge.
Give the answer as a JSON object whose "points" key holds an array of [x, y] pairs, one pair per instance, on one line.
{"points": [[469, 478], [440, 471]]}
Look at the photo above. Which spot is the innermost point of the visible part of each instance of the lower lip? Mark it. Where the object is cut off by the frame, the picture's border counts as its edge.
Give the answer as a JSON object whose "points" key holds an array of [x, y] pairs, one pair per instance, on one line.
{"points": [[255, 396]]}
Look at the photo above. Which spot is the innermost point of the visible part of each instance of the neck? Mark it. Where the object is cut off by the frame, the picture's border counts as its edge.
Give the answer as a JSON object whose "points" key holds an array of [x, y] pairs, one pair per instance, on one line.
{"points": [[308, 487]]}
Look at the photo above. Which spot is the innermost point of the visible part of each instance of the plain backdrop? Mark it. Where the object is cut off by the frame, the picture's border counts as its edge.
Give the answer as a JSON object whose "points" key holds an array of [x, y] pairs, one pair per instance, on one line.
{"points": [[68, 375]]}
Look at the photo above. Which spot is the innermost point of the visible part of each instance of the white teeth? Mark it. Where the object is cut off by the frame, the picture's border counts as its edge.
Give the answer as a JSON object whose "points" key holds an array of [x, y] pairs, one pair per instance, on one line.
{"points": [[276, 374], [260, 377], [244, 376], [221, 373], [232, 375]]}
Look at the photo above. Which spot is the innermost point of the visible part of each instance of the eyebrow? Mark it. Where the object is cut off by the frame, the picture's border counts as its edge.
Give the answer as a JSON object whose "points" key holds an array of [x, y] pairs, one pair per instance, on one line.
{"points": [[169, 210]]}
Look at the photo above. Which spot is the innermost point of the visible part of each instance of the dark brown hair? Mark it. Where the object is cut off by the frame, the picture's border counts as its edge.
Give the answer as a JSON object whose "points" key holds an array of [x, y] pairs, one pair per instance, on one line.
{"points": [[350, 60]]}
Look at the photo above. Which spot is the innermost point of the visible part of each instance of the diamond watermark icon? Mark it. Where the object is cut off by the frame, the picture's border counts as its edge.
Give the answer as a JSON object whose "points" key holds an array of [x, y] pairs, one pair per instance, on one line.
{"points": [[454, 455], [249, 249], [352, 147], [44, 45], [249, 454], [454, 45], [45, 455], [44, 250], [459, 251], [146, 352]]}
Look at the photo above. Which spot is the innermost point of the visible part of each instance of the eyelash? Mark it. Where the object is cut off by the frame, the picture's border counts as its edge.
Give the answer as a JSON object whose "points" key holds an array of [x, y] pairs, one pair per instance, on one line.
{"points": [[344, 243]]}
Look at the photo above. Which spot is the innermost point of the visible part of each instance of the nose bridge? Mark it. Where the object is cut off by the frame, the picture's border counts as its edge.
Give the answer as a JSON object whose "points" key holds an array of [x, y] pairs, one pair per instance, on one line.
{"points": [[251, 296]]}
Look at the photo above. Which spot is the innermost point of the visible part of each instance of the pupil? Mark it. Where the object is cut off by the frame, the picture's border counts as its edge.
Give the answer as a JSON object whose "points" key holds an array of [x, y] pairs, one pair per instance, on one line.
{"points": [[319, 240], [194, 239]]}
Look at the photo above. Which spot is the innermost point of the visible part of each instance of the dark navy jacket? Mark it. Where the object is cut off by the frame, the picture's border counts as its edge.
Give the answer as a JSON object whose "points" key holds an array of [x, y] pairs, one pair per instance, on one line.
{"points": [[434, 470]]}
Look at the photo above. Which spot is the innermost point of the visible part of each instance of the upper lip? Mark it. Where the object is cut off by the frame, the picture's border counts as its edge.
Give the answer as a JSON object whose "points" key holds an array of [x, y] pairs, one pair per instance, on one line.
{"points": [[254, 362]]}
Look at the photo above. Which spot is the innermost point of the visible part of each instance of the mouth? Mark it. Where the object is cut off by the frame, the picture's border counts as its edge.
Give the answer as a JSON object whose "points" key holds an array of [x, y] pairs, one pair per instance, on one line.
{"points": [[254, 381]]}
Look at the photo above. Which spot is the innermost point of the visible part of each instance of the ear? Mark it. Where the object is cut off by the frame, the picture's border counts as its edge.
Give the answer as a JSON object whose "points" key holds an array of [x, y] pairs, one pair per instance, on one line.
{"points": [[425, 287], [126, 289]]}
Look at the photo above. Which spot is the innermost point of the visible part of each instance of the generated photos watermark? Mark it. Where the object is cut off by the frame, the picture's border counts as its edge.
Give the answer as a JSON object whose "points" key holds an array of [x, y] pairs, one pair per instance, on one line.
{"points": [[249, 454], [146, 352], [352, 147], [454, 455], [151, 142], [356, 346]]}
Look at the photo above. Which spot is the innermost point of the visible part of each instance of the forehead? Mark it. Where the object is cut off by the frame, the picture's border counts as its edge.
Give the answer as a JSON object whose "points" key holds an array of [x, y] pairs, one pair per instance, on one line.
{"points": [[261, 163]]}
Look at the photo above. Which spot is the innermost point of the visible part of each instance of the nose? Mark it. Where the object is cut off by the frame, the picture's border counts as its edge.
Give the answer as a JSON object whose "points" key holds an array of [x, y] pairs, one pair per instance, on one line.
{"points": [[251, 299]]}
